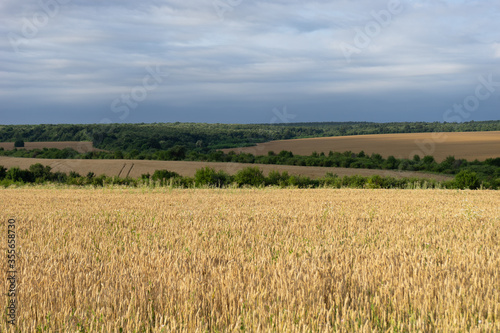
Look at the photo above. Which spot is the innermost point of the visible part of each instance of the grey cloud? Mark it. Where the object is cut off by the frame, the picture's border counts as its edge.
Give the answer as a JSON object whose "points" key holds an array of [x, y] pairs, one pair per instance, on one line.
{"points": [[261, 55]]}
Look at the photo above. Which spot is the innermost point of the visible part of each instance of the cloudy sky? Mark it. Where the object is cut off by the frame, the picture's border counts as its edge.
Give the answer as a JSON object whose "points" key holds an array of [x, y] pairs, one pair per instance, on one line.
{"points": [[248, 61]]}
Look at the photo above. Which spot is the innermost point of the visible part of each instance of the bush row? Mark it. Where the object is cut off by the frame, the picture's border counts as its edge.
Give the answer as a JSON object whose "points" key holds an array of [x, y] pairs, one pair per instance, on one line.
{"points": [[487, 171], [250, 176]]}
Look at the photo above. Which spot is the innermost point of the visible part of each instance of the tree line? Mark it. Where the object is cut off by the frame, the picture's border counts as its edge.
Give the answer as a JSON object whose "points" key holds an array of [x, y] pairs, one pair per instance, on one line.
{"points": [[176, 139], [208, 177], [487, 171]]}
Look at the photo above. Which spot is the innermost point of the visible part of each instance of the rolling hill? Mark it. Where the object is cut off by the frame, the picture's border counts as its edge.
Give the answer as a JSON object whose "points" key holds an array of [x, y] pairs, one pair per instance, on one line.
{"points": [[462, 145], [135, 168]]}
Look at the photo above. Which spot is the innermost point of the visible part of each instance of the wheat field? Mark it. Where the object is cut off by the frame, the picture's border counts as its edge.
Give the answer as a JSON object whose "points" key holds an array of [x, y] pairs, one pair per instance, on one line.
{"points": [[255, 260]]}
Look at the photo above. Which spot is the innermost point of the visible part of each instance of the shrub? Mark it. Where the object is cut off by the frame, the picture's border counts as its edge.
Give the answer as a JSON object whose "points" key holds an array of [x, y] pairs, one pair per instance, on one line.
{"points": [[428, 159], [250, 176], [74, 174], [17, 175], [275, 178], [332, 180], [164, 175], [467, 179], [354, 181], [302, 182], [374, 181], [40, 173], [208, 176], [3, 172], [493, 161], [99, 181]]}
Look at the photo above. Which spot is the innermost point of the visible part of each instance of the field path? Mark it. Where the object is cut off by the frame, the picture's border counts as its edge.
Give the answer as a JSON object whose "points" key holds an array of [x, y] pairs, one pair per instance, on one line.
{"points": [[121, 170], [139, 167], [131, 167]]}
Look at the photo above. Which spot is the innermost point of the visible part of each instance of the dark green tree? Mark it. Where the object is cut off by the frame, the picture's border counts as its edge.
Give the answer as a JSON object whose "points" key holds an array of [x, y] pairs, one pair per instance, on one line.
{"points": [[3, 172], [164, 175], [275, 178], [19, 143], [17, 175], [40, 173]]}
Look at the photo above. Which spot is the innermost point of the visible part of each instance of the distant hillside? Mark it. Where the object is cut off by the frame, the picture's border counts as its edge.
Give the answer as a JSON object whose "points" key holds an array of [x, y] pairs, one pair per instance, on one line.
{"points": [[462, 145], [78, 146], [182, 138], [202, 142], [134, 168]]}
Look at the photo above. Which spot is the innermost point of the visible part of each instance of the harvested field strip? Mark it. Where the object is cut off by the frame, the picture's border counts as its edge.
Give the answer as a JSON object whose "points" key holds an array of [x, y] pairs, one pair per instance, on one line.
{"points": [[268, 260], [139, 167], [466, 145]]}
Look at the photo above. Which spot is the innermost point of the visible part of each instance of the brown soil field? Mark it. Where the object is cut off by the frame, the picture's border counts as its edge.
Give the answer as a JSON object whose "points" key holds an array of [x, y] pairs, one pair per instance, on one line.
{"points": [[466, 145], [79, 146], [135, 168]]}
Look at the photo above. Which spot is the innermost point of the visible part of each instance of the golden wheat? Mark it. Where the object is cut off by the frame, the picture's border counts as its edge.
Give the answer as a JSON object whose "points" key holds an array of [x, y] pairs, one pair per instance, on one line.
{"points": [[141, 260]]}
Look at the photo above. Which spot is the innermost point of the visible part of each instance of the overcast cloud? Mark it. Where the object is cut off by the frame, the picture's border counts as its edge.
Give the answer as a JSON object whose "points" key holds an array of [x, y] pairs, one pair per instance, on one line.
{"points": [[235, 61]]}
